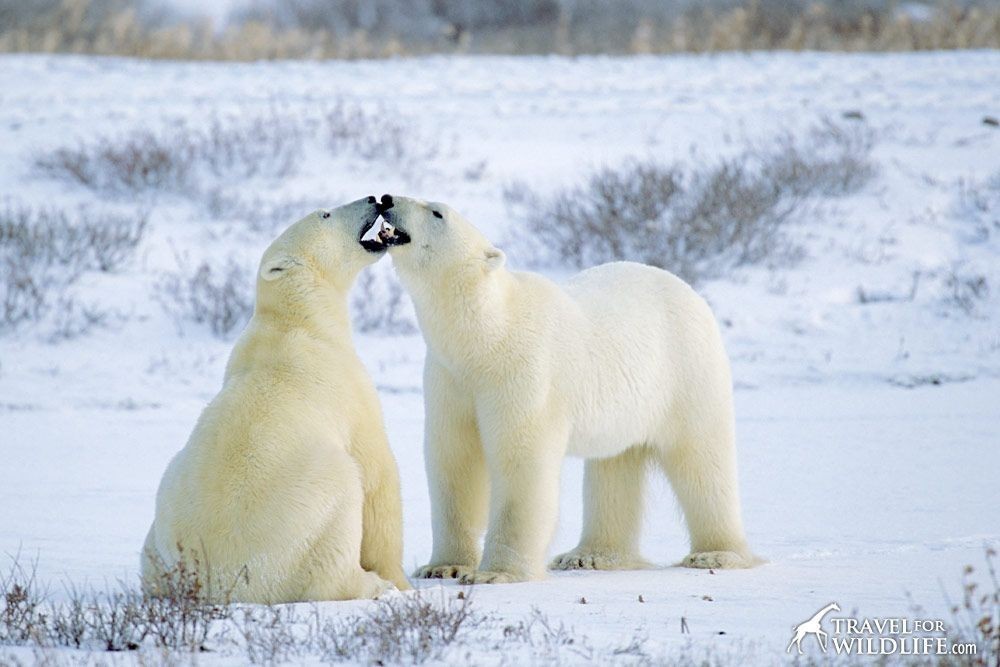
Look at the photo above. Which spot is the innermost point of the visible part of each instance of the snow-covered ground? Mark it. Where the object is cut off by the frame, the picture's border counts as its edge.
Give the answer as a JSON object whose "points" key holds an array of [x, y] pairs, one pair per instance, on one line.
{"points": [[869, 428]]}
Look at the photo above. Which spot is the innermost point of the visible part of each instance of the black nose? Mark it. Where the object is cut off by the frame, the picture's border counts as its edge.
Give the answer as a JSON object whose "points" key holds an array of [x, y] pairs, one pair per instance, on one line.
{"points": [[386, 202], [371, 199]]}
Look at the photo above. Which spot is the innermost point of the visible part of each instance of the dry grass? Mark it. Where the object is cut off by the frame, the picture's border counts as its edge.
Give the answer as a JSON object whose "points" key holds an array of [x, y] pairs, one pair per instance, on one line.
{"points": [[696, 222], [337, 29]]}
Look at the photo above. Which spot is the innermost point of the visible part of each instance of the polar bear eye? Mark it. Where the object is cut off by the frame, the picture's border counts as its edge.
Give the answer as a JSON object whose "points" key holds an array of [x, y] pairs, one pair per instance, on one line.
{"points": [[437, 215], [324, 214]]}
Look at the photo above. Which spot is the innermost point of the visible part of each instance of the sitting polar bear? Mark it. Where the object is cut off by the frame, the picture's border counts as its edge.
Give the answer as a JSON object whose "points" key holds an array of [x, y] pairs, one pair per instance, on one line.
{"points": [[287, 489], [623, 366]]}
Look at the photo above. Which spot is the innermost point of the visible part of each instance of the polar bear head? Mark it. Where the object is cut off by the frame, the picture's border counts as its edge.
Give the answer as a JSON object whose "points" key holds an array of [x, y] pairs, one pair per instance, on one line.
{"points": [[324, 250], [430, 239]]}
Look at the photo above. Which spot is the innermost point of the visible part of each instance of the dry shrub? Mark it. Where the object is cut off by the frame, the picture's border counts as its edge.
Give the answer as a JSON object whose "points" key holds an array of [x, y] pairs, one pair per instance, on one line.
{"points": [[258, 214], [974, 620], [72, 318], [380, 305], [410, 629], [137, 162], [183, 603], [22, 616], [977, 618], [978, 208], [221, 299], [965, 288], [174, 160], [179, 615], [181, 159], [835, 160], [377, 135], [267, 145], [268, 634], [43, 252], [696, 222], [50, 237]]}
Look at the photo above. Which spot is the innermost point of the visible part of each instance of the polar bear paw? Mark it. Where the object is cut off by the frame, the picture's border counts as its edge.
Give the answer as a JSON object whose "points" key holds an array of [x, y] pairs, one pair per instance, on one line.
{"points": [[377, 588], [489, 577], [717, 560], [583, 558], [443, 571]]}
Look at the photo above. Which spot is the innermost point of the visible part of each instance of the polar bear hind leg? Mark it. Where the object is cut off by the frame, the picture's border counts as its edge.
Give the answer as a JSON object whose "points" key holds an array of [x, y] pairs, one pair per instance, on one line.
{"points": [[333, 569], [382, 522], [151, 564], [701, 468], [613, 499]]}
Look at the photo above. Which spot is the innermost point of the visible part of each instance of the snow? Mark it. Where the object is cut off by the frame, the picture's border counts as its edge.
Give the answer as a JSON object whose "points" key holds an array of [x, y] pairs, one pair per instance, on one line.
{"points": [[869, 433]]}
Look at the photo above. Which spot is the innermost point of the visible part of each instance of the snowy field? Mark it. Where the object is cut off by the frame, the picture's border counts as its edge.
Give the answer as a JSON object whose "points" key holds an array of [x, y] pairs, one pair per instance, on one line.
{"points": [[867, 371]]}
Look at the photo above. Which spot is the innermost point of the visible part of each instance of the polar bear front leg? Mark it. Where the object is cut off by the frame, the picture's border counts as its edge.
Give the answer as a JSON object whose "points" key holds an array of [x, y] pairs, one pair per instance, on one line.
{"points": [[524, 468], [456, 475], [613, 496]]}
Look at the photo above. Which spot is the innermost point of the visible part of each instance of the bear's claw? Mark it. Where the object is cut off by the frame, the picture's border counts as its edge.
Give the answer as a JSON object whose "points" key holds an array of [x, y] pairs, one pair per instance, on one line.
{"points": [[718, 560], [488, 577], [442, 571], [595, 560]]}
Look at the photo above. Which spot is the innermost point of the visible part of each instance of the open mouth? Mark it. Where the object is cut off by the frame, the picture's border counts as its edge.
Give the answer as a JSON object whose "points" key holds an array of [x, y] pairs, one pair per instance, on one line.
{"points": [[380, 233]]}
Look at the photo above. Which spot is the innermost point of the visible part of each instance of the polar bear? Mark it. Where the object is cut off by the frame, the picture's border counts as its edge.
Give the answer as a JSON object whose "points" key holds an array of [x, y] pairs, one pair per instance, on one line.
{"points": [[287, 489], [623, 366]]}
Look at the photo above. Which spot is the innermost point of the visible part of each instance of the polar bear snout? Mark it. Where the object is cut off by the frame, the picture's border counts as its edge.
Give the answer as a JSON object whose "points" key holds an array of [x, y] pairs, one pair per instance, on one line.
{"points": [[388, 233]]}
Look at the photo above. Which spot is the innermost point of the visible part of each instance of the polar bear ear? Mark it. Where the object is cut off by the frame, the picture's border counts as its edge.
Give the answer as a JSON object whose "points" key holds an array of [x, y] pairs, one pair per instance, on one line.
{"points": [[494, 258], [276, 267]]}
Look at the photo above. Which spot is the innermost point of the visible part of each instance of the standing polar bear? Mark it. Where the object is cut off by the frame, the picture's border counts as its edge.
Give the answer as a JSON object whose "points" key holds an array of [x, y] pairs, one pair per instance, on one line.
{"points": [[624, 366], [287, 489]]}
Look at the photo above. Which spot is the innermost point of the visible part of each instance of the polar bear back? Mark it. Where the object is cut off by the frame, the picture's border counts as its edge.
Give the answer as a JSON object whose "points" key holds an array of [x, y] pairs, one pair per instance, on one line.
{"points": [[649, 357]]}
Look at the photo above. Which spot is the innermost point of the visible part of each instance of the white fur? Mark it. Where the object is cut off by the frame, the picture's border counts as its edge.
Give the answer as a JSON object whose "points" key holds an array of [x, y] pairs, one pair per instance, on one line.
{"points": [[287, 489], [624, 366]]}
